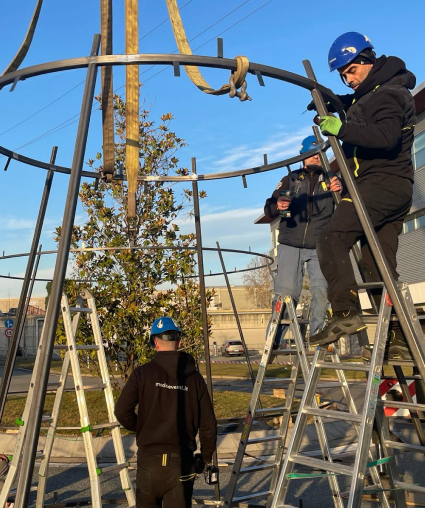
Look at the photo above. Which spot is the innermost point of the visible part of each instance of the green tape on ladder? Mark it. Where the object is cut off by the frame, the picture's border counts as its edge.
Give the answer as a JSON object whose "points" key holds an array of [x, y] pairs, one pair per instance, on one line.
{"points": [[19, 422], [89, 428], [378, 462], [10, 457], [291, 476], [98, 471]]}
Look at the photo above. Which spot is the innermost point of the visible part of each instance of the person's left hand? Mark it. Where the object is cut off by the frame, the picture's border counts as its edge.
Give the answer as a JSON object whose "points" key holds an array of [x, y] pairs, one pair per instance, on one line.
{"points": [[335, 185], [330, 125]]}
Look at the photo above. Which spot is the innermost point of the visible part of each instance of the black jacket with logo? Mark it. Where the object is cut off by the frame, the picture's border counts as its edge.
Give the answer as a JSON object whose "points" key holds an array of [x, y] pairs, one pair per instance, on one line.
{"points": [[311, 208], [378, 134], [173, 405]]}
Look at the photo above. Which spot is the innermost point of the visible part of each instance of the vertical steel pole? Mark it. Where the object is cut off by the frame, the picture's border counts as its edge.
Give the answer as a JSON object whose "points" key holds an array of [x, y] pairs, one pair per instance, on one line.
{"points": [[414, 341], [50, 322], [21, 313], [235, 313], [203, 298]]}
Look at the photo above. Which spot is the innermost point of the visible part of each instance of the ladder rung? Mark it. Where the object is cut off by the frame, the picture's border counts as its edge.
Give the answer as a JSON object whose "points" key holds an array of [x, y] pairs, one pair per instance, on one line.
{"points": [[332, 467], [272, 380], [344, 366], [257, 495], [300, 321], [266, 439], [271, 409], [260, 467], [402, 405], [39, 455], [409, 487], [115, 467], [46, 418], [284, 352], [80, 309], [404, 446], [399, 363], [329, 413], [105, 425], [369, 285], [94, 387], [79, 347]]}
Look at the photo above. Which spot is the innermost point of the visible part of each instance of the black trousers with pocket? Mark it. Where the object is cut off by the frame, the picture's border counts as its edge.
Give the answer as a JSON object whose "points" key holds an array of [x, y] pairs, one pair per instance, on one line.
{"points": [[159, 481], [387, 199]]}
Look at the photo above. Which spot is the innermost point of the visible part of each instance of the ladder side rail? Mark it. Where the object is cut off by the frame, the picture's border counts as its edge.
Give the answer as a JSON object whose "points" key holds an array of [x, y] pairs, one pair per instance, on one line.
{"points": [[371, 400], [318, 422], [408, 398], [352, 408], [82, 406], [109, 398], [48, 445], [308, 400], [267, 352], [387, 451], [283, 429], [20, 439]]}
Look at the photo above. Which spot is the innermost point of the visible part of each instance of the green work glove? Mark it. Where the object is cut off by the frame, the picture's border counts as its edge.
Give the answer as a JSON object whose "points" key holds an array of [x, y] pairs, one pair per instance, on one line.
{"points": [[330, 125]]}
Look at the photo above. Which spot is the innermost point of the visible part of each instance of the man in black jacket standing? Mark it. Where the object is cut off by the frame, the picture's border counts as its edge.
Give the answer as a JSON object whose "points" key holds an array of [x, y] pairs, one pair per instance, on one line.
{"points": [[311, 205], [377, 138], [174, 405]]}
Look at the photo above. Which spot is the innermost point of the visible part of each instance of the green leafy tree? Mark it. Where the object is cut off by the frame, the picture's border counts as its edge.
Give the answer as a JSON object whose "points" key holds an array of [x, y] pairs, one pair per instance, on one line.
{"points": [[258, 283], [133, 287]]}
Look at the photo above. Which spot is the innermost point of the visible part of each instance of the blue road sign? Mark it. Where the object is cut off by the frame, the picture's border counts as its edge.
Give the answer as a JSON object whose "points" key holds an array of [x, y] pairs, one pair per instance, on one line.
{"points": [[9, 323]]}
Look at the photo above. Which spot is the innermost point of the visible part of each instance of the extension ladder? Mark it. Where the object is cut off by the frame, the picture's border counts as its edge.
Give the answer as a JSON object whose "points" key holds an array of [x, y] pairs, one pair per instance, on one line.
{"points": [[71, 360], [372, 412]]}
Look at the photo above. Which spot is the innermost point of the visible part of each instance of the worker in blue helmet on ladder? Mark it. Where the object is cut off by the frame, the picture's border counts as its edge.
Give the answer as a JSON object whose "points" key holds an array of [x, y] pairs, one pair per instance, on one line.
{"points": [[174, 405], [377, 136], [305, 204]]}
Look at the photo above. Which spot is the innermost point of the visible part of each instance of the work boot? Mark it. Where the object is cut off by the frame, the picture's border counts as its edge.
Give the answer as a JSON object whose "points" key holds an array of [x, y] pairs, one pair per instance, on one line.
{"points": [[396, 348], [341, 323]]}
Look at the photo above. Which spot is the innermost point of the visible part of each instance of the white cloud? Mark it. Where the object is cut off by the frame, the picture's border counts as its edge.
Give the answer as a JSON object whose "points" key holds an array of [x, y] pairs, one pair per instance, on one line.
{"points": [[281, 145]]}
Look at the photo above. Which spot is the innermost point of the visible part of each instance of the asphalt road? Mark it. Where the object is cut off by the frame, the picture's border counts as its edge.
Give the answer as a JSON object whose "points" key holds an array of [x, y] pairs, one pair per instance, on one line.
{"points": [[21, 380]]}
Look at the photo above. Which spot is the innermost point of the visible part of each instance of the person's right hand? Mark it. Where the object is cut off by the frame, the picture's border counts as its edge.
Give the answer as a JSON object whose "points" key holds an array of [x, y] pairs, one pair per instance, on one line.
{"points": [[283, 203]]}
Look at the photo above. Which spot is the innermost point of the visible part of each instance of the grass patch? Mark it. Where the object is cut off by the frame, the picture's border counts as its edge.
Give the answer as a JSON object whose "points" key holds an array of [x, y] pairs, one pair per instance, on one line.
{"points": [[227, 404]]}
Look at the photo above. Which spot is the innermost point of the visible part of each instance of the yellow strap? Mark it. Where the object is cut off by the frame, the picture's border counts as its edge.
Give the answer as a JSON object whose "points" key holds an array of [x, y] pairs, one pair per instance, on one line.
{"points": [[346, 199], [164, 459], [325, 188], [132, 104], [356, 170], [107, 91], [192, 71]]}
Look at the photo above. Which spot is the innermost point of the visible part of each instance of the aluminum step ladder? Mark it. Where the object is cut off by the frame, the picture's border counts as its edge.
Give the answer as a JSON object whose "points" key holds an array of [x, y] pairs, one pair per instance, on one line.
{"points": [[300, 368], [71, 359], [363, 421]]}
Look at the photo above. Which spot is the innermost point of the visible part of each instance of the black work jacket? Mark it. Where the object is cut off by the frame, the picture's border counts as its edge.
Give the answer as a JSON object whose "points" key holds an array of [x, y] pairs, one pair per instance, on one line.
{"points": [[380, 117], [310, 209]]}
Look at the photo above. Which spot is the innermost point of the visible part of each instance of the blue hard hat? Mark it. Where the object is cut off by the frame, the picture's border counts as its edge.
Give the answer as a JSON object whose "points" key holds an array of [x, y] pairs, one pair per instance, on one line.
{"points": [[161, 326], [308, 144], [345, 49]]}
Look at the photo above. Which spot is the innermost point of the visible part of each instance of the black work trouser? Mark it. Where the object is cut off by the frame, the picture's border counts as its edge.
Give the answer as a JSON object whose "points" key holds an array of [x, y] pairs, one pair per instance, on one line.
{"points": [[387, 199], [159, 484]]}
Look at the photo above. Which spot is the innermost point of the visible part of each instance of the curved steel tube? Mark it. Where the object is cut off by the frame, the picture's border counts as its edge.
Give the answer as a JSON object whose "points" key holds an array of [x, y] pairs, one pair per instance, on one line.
{"points": [[169, 178], [269, 260]]}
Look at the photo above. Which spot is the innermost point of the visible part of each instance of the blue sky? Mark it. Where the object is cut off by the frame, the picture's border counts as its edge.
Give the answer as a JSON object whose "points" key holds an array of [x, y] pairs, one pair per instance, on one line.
{"points": [[222, 133]]}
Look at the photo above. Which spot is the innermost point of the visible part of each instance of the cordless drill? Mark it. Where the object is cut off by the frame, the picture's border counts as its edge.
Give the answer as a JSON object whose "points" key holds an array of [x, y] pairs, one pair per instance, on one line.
{"points": [[288, 195]]}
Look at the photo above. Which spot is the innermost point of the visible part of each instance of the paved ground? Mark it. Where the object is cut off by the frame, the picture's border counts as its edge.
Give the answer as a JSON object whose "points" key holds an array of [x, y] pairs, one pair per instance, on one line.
{"points": [[21, 380]]}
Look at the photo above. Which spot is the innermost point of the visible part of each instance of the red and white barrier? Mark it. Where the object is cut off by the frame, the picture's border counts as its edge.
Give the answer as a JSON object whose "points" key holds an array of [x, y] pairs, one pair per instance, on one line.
{"points": [[390, 390]]}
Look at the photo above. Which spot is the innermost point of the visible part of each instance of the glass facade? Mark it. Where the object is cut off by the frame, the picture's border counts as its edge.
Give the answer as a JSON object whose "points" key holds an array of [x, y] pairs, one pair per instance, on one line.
{"points": [[418, 151], [414, 223]]}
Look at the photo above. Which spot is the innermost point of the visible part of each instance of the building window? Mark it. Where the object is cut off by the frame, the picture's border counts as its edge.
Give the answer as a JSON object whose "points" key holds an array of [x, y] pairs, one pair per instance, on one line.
{"points": [[415, 223], [418, 151]]}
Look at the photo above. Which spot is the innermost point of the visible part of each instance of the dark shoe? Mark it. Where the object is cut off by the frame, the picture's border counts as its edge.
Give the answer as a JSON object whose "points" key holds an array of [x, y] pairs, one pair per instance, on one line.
{"points": [[396, 348], [342, 323]]}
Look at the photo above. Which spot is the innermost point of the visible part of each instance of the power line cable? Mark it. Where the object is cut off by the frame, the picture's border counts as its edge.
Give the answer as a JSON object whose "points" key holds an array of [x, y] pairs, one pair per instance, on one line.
{"points": [[81, 82], [67, 122]]}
